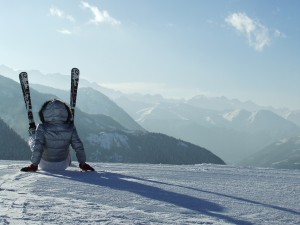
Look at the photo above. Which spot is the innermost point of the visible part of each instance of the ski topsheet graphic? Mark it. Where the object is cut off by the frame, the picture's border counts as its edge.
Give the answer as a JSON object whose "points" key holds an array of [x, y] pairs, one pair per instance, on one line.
{"points": [[27, 99], [74, 87]]}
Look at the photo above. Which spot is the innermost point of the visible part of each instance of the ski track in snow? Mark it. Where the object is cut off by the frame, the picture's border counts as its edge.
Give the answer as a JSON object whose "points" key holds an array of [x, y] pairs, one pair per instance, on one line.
{"points": [[149, 194]]}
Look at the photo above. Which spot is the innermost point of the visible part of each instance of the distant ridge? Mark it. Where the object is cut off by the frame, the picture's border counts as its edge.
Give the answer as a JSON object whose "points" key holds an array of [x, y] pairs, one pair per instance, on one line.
{"points": [[282, 154]]}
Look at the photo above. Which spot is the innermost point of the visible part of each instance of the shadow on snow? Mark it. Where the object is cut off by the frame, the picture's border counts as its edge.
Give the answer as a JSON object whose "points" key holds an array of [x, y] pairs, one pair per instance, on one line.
{"points": [[132, 184]]}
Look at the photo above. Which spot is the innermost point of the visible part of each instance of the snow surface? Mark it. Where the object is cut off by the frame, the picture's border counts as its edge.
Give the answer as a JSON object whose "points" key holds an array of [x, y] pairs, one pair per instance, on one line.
{"points": [[282, 141], [149, 194]]}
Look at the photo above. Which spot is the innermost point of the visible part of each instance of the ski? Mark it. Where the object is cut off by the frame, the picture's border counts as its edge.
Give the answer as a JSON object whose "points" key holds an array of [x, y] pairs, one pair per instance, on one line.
{"points": [[27, 99], [74, 87]]}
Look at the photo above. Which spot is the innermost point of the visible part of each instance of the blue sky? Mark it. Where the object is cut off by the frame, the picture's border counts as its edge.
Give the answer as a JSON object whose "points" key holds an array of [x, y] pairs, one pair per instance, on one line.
{"points": [[248, 50]]}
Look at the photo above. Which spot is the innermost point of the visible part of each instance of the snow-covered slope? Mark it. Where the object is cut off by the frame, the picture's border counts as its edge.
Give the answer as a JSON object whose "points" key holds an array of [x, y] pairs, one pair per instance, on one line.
{"points": [[149, 194], [293, 116]]}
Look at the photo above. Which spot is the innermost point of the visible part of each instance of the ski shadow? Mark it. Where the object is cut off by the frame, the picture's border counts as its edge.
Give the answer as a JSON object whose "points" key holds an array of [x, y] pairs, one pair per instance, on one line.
{"points": [[230, 196], [138, 186]]}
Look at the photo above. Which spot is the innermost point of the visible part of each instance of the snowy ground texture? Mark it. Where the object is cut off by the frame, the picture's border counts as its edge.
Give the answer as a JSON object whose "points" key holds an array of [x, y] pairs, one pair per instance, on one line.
{"points": [[149, 194]]}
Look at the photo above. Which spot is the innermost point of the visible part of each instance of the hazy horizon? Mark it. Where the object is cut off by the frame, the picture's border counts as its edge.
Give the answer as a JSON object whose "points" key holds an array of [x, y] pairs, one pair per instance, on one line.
{"points": [[243, 50], [157, 89]]}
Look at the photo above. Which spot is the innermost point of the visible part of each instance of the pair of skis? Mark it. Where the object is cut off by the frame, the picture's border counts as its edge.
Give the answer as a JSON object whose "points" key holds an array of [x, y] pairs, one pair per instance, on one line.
{"points": [[27, 98]]}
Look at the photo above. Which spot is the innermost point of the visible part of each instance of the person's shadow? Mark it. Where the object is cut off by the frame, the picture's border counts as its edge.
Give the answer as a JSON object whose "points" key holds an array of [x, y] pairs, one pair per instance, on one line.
{"points": [[137, 186]]}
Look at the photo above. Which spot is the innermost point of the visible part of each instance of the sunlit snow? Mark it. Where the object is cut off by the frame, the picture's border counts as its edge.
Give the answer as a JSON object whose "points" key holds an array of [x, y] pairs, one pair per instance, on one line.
{"points": [[149, 194]]}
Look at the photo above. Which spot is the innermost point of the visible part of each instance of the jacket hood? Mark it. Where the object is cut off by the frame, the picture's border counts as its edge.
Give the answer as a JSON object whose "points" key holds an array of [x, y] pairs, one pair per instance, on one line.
{"points": [[55, 111]]}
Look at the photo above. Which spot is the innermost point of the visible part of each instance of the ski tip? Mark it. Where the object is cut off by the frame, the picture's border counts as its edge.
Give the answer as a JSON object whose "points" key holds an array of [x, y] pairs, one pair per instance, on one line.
{"points": [[23, 74], [75, 71]]}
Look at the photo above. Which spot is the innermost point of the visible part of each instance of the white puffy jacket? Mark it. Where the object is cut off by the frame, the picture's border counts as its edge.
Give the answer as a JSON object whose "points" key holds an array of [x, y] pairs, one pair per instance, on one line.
{"points": [[54, 136]]}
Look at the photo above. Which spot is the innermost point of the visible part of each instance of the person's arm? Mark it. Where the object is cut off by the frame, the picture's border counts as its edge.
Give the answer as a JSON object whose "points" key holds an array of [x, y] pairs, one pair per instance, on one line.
{"points": [[36, 145], [78, 147], [80, 153]]}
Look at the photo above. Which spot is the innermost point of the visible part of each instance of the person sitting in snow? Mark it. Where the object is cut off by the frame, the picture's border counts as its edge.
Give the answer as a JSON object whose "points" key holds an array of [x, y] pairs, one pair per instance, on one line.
{"points": [[52, 138]]}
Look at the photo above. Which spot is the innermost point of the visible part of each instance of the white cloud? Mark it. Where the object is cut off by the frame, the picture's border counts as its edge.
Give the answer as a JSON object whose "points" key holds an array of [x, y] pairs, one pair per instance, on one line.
{"points": [[256, 33], [60, 14], [279, 34], [65, 31], [100, 17], [56, 12]]}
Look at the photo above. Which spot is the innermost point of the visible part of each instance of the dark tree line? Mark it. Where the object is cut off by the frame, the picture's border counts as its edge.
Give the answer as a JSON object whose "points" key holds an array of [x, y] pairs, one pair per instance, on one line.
{"points": [[147, 147], [12, 146]]}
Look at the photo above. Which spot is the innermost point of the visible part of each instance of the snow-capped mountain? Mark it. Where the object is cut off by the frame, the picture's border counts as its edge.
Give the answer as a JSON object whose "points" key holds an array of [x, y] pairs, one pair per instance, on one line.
{"points": [[163, 110], [231, 134], [293, 116], [283, 154], [137, 145], [221, 103], [237, 116], [260, 121]]}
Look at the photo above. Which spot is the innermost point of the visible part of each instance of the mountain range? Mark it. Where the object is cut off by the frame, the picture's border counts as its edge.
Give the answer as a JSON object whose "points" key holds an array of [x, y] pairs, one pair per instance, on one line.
{"points": [[231, 134], [231, 129], [105, 139]]}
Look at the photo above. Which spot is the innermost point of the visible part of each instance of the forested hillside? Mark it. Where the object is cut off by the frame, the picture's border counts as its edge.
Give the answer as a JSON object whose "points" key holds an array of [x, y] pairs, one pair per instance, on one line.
{"points": [[12, 146]]}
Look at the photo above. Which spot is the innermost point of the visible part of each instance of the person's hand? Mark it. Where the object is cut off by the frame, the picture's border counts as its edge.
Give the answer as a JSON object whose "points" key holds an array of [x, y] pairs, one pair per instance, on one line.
{"points": [[86, 167], [31, 168]]}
